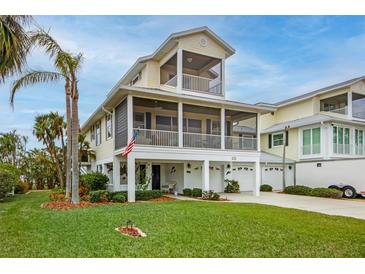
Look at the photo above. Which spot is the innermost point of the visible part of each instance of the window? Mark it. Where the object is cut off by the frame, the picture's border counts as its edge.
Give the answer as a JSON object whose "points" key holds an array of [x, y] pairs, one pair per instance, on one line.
{"points": [[359, 142], [341, 140], [166, 123], [278, 139], [98, 133], [311, 141], [108, 126], [136, 79], [216, 128], [99, 168], [139, 120], [92, 137], [192, 125]]}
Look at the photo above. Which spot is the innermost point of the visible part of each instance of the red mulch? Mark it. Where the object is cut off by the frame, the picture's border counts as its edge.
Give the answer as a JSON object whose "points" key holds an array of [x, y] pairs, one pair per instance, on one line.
{"points": [[162, 199], [68, 205], [131, 231]]}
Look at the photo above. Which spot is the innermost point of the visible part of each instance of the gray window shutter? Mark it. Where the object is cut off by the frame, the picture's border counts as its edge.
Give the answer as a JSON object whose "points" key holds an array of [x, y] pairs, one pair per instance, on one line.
{"points": [[270, 144], [148, 120], [209, 126]]}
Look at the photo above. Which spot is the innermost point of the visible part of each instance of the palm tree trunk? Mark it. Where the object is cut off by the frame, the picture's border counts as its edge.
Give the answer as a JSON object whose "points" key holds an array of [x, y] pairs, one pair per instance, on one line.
{"points": [[68, 160], [75, 148]]}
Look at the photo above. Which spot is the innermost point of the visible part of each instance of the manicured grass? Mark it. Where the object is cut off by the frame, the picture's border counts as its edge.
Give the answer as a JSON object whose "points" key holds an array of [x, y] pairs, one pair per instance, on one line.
{"points": [[175, 229]]}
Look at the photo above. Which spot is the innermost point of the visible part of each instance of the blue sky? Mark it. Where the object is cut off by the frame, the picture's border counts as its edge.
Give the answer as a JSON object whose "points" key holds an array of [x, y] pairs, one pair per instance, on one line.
{"points": [[276, 57]]}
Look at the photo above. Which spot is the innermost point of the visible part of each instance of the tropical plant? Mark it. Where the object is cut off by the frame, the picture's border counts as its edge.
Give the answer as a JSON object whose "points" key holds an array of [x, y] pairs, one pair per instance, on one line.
{"points": [[14, 44], [12, 147], [232, 186], [85, 149], [8, 179]]}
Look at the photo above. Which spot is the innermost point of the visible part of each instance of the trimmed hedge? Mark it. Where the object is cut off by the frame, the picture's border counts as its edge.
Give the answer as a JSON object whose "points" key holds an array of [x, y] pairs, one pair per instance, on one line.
{"points": [[94, 181], [148, 194], [316, 192], [210, 195], [118, 197], [99, 196], [197, 192], [232, 186], [187, 192], [266, 188]]}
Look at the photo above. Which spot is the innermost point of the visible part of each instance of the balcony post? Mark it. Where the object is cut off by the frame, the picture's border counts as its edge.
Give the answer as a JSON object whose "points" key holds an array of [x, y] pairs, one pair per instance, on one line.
{"points": [[205, 175], [258, 130], [223, 123], [223, 76], [130, 116], [180, 123], [131, 176], [349, 104], [179, 70], [116, 173]]}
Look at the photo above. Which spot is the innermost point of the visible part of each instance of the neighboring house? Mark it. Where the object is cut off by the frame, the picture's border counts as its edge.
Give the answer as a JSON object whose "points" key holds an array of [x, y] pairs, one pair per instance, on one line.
{"points": [[189, 135], [326, 135]]}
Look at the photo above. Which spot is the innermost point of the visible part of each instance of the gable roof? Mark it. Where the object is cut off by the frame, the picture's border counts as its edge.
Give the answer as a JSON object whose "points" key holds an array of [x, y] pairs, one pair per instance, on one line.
{"points": [[314, 93]]}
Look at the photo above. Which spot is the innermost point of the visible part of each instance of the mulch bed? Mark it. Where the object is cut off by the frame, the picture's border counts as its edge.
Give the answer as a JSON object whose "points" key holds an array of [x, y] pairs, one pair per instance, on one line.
{"points": [[162, 199], [131, 231], [68, 205]]}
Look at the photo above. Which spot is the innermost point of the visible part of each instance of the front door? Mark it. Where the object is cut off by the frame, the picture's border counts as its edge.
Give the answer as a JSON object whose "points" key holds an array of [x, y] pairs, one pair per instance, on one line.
{"points": [[156, 184]]}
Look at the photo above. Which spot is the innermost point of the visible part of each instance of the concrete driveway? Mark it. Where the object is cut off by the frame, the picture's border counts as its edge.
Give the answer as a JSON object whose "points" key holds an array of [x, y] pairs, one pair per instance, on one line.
{"points": [[348, 208]]}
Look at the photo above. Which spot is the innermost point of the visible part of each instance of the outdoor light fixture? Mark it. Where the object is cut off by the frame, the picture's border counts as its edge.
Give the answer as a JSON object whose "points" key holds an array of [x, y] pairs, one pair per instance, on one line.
{"points": [[189, 59]]}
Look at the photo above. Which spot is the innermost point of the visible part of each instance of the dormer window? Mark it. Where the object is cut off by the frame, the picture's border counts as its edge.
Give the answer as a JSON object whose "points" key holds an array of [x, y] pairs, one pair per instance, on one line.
{"points": [[136, 79]]}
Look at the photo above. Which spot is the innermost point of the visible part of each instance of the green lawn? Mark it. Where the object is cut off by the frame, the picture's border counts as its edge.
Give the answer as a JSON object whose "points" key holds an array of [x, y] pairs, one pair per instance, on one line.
{"points": [[175, 229]]}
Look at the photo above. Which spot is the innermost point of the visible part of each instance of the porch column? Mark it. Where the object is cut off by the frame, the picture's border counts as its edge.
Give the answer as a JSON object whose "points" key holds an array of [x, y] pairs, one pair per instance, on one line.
{"points": [[149, 174], [116, 173], [258, 132], [180, 123], [223, 123], [205, 175], [131, 169], [349, 104], [256, 190], [179, 70], [130, 116], [223, 75]]}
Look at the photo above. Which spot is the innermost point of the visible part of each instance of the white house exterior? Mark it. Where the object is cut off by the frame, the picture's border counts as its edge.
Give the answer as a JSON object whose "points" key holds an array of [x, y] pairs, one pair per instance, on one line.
{"points": [[189, 134]]}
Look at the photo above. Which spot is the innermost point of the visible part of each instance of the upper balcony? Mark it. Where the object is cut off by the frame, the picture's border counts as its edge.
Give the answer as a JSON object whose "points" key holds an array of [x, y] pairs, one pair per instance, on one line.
{"points": [[193, 72]]}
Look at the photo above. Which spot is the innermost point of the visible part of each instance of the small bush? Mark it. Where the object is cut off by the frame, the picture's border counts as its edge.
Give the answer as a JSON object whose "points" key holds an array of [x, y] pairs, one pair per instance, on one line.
{"points": [[232, 186], [8, 179], [266, 188], [57, 195], [22, 187], [187, 192], [197, 192], [298, 190], [94, 181], [326, 193], [83, 190], [148, 194], [210, 195], [99, 196], [118, 197]]}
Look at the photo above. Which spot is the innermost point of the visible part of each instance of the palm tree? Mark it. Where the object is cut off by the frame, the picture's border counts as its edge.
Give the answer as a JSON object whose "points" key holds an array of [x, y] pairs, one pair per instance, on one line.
{"points": [[14, 44], [84, 148], [12, 145]]}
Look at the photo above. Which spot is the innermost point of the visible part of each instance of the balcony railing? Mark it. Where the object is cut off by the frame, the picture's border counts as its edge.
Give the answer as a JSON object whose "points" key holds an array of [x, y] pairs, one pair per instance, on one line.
{"points": [[154, 137], [197, 140], [343, 110], [240, 143]]}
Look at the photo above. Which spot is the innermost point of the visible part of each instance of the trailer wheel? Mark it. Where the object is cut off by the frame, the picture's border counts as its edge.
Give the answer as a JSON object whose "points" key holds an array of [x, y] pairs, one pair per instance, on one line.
{"points": [[334, 187], [348, 192]]}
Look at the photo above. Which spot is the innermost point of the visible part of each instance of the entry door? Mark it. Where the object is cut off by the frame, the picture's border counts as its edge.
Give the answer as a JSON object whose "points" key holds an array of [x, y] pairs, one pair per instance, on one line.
{"points": [[156, 184]]}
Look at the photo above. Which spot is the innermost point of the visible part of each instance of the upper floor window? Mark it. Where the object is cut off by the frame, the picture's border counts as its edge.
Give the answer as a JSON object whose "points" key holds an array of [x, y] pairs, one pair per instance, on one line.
{"points": [[311, 141], [341, 140], [92, 133], [192, 125], [139, 120], [166, 123], [98, 133], [108, 126], [278, 139], [359, 142]]}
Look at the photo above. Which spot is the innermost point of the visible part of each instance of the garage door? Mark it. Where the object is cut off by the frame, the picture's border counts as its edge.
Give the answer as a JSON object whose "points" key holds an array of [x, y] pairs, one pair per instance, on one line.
{"points": [[216, 178], [245, 175], [273, 174]]}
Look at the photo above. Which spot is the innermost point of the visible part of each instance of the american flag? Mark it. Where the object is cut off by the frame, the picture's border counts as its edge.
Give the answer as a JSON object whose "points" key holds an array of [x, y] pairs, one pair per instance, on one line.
{"points": [[130, 145]]}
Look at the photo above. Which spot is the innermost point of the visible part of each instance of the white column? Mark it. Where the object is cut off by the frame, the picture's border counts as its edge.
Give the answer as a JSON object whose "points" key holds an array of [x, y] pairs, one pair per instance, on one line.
{"points": [[130, 116], [349, 105], [131, 169], [205, 175], [256, 190], [180, 118], [116, 173], [223, 77], [223, 126], [258, 132], [179, 69], [149, 174]]}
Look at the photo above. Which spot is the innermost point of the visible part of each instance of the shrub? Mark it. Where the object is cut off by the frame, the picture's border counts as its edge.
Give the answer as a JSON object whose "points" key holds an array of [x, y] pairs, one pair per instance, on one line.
{"points": [[22, 187], [148, 194], [298, 190], [94, 181], [326, 192], [8, 179], [57, 195], [232, 186], [187, 192], [197, 192], [210, 195], [119, 197], [83, 191], [99, 196], [266, 188]]}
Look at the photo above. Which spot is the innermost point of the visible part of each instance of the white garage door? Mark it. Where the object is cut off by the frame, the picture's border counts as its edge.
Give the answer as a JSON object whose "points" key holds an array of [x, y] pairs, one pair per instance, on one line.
{"points": [[245, 175], [273, 174], [216, 178]]}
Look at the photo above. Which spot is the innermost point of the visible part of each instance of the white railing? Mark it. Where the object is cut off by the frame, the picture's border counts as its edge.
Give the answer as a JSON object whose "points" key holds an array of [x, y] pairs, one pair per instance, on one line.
{"points": [[197, 83], [343, 110], [172, 82], [197, 140], [154, 137], [240, 143], [308, 150]]}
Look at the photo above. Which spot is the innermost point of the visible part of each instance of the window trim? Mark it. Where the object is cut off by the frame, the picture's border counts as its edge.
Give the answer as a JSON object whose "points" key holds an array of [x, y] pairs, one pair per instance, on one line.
{"points": [[272, 138], [106, 127], [144, 119], [301, 142], [350, 139], [96, 133]]}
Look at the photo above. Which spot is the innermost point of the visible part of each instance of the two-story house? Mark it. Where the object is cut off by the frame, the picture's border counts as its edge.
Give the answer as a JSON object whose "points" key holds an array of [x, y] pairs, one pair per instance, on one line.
{"points": [[325, 136], [188, 134]]}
